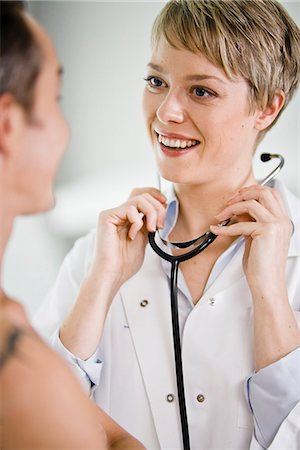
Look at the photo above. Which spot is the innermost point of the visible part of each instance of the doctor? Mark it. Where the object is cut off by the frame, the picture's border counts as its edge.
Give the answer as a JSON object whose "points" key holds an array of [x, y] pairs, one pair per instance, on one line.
{"points": [[220, 75]]}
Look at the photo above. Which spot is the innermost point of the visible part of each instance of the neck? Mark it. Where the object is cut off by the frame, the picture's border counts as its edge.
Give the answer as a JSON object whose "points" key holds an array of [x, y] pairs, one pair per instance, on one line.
{"points": [[199, 204]]}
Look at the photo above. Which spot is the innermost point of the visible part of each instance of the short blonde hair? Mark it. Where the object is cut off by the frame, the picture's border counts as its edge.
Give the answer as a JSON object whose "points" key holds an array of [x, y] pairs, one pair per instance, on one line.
{"points": [[253, 39]]}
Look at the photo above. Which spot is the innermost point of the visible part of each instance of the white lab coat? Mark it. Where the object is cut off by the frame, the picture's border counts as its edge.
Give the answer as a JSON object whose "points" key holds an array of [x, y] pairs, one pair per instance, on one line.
{"points": [[138, 359]]}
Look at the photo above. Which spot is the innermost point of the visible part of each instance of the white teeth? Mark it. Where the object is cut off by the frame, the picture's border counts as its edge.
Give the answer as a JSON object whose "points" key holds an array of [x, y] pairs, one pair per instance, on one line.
{"points": [[175, 143]]}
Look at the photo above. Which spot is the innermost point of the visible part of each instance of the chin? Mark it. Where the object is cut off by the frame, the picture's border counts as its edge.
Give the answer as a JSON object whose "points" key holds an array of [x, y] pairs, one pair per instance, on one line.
{"points": [[44, 204], [179, 177], [49, 204]]}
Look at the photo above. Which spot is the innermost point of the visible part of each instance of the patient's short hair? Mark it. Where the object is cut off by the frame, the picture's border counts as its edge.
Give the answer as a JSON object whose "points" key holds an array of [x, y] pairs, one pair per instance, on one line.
{"points": [[20, 54], [253, 39]]}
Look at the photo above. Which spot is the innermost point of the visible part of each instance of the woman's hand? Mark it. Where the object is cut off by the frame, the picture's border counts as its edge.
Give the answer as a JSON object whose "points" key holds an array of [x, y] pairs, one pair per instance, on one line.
{"points": [[122, 234], [118, 254], [263, 221]]}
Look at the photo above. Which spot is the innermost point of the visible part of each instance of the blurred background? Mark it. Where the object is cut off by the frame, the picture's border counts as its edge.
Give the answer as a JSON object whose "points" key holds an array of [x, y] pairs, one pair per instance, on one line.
{"points": [[104, 48]]}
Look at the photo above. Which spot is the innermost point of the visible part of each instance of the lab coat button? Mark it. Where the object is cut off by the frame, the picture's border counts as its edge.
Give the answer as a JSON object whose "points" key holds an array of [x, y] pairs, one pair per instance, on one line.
{"points": [[170, 398], [200, 398], [144, 303], [212, 301]]}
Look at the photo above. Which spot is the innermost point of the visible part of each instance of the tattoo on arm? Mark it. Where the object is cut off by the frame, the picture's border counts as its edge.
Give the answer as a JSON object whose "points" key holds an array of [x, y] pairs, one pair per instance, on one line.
{"points": [[10, 347]]}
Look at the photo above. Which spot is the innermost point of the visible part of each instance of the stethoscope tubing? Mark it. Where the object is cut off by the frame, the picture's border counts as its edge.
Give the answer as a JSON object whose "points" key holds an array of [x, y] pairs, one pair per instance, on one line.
{"points": [[178, 356], [175, 260]]}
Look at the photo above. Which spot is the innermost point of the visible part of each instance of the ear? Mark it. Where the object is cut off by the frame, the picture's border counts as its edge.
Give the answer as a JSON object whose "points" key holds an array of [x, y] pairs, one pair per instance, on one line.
{"points": [[267, 116], [12, 122]]}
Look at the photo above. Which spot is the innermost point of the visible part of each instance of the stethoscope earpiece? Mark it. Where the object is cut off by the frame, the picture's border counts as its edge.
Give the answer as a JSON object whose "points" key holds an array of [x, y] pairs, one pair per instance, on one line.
{"points": [[267, 157]]}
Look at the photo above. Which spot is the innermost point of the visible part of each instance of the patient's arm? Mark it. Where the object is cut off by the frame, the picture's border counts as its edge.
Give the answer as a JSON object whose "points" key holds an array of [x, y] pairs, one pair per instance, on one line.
{"points": [[117, 437], [42, 403]]}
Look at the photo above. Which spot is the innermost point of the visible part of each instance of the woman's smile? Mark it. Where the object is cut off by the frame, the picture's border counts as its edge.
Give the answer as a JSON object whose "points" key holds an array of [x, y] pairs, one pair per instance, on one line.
{"points": [[174, 145]]}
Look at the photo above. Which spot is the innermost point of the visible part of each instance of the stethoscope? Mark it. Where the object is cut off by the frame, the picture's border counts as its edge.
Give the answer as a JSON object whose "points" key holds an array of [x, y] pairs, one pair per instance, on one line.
{"points": [[197, 246]]}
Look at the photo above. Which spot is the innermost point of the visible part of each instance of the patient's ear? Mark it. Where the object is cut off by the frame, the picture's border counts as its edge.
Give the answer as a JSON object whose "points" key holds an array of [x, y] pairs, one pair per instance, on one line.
{"points": [[12, 122], [266, 117]]}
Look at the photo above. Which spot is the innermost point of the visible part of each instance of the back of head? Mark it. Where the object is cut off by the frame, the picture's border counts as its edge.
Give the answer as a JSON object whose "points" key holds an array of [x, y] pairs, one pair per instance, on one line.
{"points": [[253, 39], [20, 54]]}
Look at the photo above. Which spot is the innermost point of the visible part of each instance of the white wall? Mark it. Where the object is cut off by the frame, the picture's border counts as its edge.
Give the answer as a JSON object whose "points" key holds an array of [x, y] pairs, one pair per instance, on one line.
{"points": [[104, 47]]}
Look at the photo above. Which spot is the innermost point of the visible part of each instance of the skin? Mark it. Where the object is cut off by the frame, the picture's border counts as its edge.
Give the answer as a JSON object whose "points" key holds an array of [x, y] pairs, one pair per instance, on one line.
{"points": [[31, 147], [188, 97]]}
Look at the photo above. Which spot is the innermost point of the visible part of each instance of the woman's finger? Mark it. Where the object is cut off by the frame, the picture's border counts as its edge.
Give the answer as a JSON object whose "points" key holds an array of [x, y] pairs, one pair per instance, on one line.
{"points": [[136, 220], [137, 212], [154, 192], [251, 207], [237, 229], [147, 204], [268, 197]]}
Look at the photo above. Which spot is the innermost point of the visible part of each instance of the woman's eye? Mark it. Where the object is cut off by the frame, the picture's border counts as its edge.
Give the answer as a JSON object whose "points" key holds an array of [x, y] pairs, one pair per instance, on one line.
{"points": [[202, 92], [154, 82]]}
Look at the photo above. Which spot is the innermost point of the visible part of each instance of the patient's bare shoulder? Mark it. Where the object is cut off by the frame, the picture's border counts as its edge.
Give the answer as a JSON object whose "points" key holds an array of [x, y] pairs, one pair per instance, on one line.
{"points": [[39, 389], [13, 323]]}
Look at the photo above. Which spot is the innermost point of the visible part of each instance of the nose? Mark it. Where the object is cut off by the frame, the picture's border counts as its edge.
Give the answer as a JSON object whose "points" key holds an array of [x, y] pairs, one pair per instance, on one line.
{"points": [[171, 108]]}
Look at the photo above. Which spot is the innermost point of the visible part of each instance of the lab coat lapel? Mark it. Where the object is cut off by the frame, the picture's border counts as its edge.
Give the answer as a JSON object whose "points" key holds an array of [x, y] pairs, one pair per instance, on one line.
{"points": [[231, 274], [147, 306]]}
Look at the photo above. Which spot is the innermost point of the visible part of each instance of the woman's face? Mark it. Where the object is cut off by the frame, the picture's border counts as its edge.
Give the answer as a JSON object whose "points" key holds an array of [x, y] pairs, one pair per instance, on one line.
{"points": [[43, 138], [199, 121]]}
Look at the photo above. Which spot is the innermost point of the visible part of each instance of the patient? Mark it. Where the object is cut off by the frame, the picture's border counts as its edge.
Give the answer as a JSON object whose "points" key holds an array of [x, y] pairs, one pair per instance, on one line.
{"points": [[42, 404]]}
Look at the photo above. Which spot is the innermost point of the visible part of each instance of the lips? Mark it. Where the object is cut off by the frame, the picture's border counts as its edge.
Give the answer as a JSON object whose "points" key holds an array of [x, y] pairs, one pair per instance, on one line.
{"points": [[174, 144]]}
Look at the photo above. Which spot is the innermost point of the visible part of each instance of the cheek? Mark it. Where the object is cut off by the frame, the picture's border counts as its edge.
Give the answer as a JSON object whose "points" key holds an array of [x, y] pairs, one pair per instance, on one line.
{"points": [[55, 139], [47, 143], [228, 126], [57, 127], [228, 139]]}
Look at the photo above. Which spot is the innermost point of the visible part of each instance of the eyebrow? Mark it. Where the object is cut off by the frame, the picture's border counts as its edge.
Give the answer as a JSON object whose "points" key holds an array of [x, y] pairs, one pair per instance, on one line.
{"points": [[194, 77]]}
